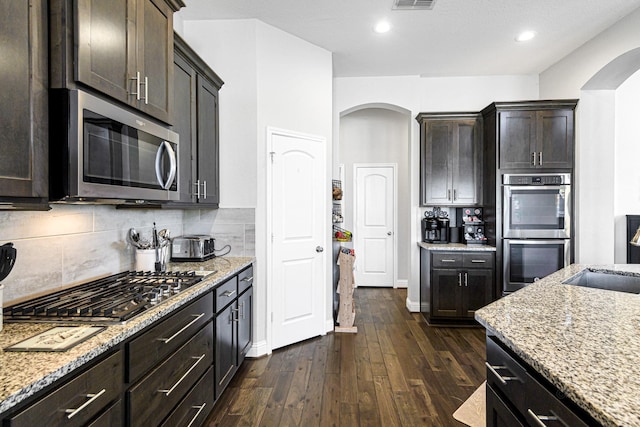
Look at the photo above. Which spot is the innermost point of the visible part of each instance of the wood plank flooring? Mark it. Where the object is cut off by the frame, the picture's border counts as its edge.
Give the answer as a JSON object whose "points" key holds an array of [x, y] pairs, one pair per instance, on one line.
{"points": [[396, 371]]}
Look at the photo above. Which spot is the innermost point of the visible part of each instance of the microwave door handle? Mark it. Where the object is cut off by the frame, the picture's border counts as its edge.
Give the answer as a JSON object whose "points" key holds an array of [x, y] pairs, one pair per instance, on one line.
{"points": [[172, 165]]}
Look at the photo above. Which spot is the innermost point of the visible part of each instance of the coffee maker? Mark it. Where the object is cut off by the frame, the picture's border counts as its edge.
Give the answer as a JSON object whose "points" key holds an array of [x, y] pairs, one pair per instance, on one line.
{"points": [[435, 226]]}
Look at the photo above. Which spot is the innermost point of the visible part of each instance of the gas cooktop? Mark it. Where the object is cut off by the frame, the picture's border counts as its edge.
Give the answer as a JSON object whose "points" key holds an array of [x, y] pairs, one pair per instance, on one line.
{"points": [[109, 300]]}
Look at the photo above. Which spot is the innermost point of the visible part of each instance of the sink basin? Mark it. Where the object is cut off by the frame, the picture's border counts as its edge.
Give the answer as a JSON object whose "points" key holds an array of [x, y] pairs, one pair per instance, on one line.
{"points": [[606, 280]]}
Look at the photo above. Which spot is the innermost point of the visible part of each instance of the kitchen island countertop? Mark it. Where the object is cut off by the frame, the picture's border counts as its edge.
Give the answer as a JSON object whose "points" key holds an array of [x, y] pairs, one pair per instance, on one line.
{"points": [[585, 341], [22, 374]]}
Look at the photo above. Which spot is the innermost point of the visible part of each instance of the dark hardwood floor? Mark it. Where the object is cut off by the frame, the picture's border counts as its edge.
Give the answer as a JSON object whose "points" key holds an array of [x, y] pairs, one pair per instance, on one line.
{"points": [[396, 371]]}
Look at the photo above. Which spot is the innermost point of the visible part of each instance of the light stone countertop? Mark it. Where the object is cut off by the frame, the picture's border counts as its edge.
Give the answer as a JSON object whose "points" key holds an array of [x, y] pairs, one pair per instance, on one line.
{"points": [[456, 247], [22, 374], [585, 341]]}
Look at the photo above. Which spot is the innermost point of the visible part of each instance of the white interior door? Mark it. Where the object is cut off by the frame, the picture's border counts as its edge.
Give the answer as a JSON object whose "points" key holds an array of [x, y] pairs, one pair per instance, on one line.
{"points": [[300, 192], [375, 227]]}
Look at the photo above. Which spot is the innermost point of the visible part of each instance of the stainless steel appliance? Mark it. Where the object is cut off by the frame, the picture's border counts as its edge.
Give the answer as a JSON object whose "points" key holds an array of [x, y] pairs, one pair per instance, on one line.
{"points": [[192, 248], [527, 260], [110, 300], [100, 151], [537, 206]]}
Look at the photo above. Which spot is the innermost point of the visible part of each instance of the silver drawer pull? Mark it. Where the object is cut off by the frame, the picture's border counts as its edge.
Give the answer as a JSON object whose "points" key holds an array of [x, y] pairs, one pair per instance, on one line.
{"points": [[197, 317], [247, 279], [478, 261], [448, 260], [167, 392], [539, 419], [93, 396], [195, 417], [227, 293], [501, 378]]}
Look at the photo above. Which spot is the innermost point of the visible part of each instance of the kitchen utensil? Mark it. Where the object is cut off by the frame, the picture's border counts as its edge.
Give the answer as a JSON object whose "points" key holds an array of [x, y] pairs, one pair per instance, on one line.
{"points": [[134, 238], [7, 259], [156, 247]]}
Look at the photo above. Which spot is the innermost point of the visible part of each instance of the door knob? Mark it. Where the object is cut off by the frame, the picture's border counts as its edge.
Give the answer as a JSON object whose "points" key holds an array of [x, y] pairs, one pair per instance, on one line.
{"points": [[389, 233], [319, 249]]}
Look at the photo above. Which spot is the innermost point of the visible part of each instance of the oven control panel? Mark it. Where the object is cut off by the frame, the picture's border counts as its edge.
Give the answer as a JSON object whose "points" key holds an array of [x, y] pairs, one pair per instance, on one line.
{"points": [[543, 179]]}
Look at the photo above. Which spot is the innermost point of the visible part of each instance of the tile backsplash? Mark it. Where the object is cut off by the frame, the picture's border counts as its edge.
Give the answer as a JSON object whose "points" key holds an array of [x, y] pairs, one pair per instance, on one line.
{"points": [[75, 243]]}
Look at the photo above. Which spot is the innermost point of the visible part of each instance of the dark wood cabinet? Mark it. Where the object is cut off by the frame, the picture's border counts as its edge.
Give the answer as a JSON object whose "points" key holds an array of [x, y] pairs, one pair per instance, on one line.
{"points": [[460, 283], [226, 347], [534, 134], [450, 159], [122, 48], [196, 89], [23, 106]]}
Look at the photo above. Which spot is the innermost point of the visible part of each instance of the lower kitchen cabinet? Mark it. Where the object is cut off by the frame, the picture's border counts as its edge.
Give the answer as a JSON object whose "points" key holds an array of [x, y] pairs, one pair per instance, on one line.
{"points": [[454, 284], [518, 396], [226, 344]]}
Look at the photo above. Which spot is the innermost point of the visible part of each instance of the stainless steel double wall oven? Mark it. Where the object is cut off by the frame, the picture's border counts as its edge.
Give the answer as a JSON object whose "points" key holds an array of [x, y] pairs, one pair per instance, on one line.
{"points": [[536, 227]]}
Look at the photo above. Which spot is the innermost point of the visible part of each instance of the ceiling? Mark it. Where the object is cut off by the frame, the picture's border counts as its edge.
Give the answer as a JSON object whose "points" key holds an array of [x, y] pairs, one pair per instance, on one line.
{"points": [[455, 38]]}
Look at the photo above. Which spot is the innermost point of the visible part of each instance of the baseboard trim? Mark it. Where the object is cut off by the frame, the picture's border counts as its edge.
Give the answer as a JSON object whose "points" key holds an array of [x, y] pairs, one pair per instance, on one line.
{"points": [[258, 349], [402, 283], [413, 306]]}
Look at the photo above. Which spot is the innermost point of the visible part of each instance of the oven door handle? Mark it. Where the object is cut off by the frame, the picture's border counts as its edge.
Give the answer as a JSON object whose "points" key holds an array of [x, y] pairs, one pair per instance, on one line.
{"points": [[173, 165]]}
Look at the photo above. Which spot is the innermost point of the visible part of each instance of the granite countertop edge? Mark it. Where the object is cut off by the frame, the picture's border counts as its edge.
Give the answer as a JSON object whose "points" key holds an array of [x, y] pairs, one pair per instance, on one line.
{"points": [[456, 247], [37, 370], [585, 341]]}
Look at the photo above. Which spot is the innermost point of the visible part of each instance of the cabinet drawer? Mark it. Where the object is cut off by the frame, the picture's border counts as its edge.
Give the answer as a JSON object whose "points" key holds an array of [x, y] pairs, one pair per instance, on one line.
{"points": [[226, 293], [507, 376], [245, 279], [112, 416], [446, 260], [145, 351], [544, 405], [158, 393], [195, 407], [79, 400], [478, 260]]}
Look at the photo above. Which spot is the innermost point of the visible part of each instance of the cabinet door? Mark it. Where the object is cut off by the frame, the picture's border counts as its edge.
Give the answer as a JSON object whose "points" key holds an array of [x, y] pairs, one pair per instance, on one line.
{"points": [[208, 161], [23, 110], [446, 286], [185, 124], [226, 348], [436, 164], [106, 63], [478, 286], [555, 139], [154, 35], [245, 305], [517, 139], [467, 167]]}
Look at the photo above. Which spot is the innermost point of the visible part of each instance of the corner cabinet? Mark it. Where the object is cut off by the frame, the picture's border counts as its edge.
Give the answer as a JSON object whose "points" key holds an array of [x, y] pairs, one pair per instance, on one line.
{"points": [[534, 134], [195, 95], [133, 65], [450, 159], [24, 109]]}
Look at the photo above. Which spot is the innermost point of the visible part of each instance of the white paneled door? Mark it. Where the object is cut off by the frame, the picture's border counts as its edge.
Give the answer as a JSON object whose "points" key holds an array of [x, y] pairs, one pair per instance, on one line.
{"points": [[299, 248], [375, 225]]}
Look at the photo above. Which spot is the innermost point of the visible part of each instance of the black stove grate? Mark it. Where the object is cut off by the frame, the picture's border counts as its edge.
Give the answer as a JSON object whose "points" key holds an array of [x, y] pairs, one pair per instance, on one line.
{"points": [[112, 299]]}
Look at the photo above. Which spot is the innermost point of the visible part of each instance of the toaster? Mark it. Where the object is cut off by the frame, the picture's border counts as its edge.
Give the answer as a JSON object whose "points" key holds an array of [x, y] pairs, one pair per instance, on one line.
{"points": [[192, 248]]}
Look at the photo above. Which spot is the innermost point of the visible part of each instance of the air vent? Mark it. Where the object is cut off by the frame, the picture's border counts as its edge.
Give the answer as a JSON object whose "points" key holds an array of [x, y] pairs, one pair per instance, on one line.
{"points": [[413, 4]]}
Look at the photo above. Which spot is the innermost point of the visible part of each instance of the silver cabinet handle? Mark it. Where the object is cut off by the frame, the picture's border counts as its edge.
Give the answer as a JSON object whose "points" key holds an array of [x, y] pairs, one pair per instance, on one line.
{"points": [[137, 92], [242, 309], [533, 158], [448, 194], [227, 293], [195, 417], [447, 260], [501, 378], [539, 419], [167, 392], [454, 195], [540, 159], [204, 189], [197, 317], [478, 261], [247, 279], [197, 185], [93, 396], [146, 90], [237, 317], [466, 279], [459, 279]]}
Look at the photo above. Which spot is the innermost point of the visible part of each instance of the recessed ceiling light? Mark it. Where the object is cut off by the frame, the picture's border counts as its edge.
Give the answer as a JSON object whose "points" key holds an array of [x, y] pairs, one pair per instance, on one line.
{"points": [[382, 27], [525, 36]]}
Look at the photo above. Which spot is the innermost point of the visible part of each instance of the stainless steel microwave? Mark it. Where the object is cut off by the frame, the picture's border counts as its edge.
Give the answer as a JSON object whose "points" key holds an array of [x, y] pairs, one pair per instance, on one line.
{"points": [[102, 152]]}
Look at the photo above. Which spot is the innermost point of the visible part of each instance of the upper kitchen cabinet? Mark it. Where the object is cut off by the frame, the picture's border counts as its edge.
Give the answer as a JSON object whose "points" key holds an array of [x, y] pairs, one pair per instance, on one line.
{"points": [[23, 106], [534, 135], [122, 48], [450, 159], [196, 89]]}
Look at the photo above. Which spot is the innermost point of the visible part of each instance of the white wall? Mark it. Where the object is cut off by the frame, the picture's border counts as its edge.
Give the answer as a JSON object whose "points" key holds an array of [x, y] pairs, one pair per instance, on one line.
{"points": [[416, 95], [272, 79], [595, 73]]}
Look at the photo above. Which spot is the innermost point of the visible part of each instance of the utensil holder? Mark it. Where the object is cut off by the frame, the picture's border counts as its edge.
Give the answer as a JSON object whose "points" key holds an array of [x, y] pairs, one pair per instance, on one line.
{"points": [[145, 260]]}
